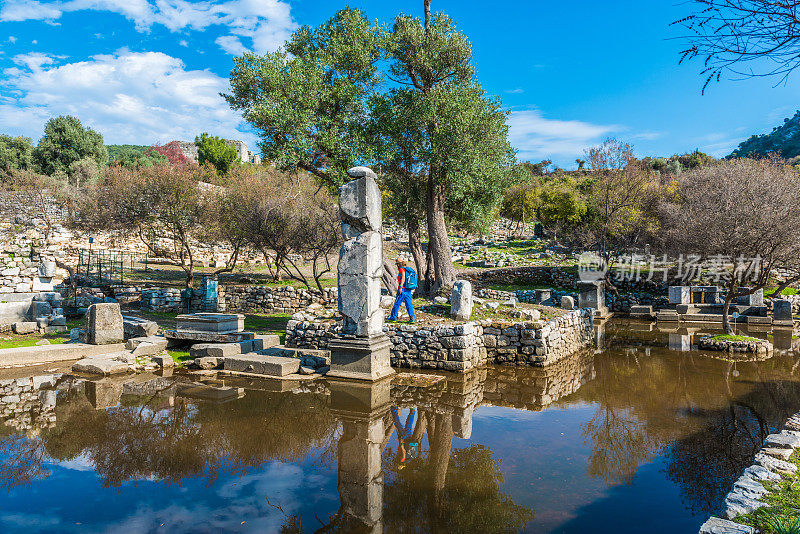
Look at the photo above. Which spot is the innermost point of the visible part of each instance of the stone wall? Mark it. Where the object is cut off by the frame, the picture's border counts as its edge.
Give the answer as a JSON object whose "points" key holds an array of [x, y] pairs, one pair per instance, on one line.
{"points": [[262, 299], [464, 346]]}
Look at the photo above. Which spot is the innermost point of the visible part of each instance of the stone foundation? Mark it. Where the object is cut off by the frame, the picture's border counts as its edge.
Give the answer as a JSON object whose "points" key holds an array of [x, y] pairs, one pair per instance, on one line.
{"points": [[460, 347]]}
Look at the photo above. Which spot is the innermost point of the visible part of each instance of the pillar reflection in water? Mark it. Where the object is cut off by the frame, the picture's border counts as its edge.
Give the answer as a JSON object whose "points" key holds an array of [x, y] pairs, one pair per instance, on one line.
{"points": [[361, 408]]}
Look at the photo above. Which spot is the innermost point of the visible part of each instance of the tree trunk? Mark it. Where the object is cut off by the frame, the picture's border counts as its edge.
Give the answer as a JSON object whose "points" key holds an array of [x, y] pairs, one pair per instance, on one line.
{"points": [[389, 277], [443, 274], [726, 320], [783, 285], [427, 4], [420, 260]]}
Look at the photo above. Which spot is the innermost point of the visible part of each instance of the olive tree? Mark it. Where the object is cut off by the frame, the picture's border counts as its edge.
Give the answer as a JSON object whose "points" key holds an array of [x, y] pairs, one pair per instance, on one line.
{"points": [[66, 141]]}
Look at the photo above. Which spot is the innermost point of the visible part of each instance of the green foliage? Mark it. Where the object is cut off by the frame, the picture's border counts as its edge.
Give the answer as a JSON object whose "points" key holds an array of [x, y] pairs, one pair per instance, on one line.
{"points": [[783, 525], [561, 204], [133, 156], [216, 151], [15, 153], [66, 141], [83, 171], [308, 101], [784, 140], [520, 203]]}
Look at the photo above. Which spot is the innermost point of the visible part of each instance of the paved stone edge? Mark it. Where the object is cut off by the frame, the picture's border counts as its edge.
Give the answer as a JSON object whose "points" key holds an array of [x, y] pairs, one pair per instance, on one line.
{"points": [[747, 495]]}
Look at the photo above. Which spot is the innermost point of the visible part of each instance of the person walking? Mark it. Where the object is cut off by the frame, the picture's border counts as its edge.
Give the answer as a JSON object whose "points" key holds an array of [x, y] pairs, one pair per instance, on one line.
{"points": [[406, 284]]}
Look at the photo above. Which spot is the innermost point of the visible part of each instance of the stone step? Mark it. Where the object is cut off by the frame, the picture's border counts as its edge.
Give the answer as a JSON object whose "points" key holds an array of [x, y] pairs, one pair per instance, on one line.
{"points": [[262, 364], [19, 356]]}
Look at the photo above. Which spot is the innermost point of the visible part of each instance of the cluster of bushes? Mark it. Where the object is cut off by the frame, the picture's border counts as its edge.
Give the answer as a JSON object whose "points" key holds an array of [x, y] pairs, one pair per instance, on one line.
{"points": [[75, 154]]}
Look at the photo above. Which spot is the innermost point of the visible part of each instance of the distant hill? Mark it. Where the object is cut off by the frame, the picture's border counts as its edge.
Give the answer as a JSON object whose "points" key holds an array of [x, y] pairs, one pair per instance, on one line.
{"points": [[784, 140]]}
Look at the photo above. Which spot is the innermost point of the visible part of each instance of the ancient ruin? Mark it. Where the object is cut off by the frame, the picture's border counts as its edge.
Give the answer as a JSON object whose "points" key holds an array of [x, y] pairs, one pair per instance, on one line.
{"points": [[363, 350]]}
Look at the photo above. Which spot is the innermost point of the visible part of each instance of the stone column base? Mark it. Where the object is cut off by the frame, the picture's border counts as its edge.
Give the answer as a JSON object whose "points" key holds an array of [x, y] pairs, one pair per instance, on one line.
{"points": [[361, 358]]}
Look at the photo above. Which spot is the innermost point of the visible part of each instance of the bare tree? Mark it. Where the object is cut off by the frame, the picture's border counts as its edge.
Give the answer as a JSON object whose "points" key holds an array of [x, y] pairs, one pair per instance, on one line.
{"points": [[158, 203], [744, 37], [621, 200], [742, 215]]}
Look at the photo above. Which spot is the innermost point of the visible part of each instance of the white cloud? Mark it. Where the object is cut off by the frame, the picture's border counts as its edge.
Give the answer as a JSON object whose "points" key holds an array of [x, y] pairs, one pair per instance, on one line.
{"points": [[17, 10], [231, 44], [129, 97], [12, 39], [536, 137], [265, 23], [183, 42]]}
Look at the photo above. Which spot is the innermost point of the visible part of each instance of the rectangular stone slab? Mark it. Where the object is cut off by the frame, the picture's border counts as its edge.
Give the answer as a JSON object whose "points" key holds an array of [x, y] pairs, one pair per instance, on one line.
{"points": [[217, 323], [262, 365], [208, 337]]}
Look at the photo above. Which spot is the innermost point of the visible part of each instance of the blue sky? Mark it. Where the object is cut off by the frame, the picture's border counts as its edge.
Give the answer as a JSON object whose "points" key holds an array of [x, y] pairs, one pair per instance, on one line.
{"points": [[570, 73]]}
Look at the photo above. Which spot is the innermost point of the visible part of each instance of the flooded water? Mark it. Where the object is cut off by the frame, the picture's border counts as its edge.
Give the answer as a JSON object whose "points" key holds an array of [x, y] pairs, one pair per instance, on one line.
{"points": [[642, 435]]}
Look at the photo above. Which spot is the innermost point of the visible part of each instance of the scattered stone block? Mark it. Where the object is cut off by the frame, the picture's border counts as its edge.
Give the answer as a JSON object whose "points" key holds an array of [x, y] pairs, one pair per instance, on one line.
{"points": [[40, 309], [207, 362], [100, 366], [783, 440], [782, 312], [567, 302], [781, 454], [265, 341], [716, 525], [738, 504], [42, 322], [104, 324], [164, 360], [138, 327], [306, 370], [262, 365], [58, 320], [42, 342], [593, 295], [146, 346], [774, 464], [642, 311], [25, 327], [461, 301]]}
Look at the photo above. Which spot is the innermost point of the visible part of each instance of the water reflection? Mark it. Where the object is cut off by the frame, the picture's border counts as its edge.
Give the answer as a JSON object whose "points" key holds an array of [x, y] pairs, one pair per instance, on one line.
{"points": [[642, 399]]}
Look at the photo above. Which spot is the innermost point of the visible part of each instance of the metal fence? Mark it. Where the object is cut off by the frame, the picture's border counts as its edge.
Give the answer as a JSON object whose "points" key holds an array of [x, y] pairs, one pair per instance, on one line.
{"points": [[105, 267]]}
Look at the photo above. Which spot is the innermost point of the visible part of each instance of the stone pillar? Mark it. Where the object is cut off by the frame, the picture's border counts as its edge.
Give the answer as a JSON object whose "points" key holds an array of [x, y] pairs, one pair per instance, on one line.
{"points": [[461, 301], [680, 295], [363, 350], [782, 310], [593, 295]]}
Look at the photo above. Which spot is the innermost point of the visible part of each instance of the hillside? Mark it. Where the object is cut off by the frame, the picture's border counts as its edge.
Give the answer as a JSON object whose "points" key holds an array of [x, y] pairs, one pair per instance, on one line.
{"points": [[784, 140]]}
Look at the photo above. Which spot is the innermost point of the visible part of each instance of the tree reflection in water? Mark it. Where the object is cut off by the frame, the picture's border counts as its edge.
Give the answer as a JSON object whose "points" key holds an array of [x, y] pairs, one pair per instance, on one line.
{"points": [[707, 416], [189, 439]]}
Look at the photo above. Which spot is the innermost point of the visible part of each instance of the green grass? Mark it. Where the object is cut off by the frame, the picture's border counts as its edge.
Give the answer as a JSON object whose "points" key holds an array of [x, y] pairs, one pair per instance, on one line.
{"points": [[787, 291], [13, 341], [783, 504], [728, 337], [180, 356]]}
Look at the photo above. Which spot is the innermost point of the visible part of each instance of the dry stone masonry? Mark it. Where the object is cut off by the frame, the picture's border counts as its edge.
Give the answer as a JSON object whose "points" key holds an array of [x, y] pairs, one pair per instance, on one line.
{"points": [[460, 347]]}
